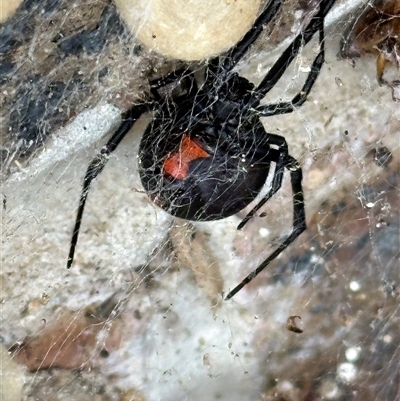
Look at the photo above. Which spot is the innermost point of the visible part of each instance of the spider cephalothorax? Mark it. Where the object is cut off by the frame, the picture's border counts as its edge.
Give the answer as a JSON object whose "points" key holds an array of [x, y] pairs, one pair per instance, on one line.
{"points": [[205, 155]]}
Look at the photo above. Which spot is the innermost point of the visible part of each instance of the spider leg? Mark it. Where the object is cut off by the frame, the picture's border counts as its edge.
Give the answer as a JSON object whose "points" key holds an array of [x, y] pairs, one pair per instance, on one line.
{"points": [[299, 222], [284, 160], [128, 120], [230, 59], [280, 156], [301, 97], [184, 75], [97, 164], [281, 65], [298, 100]]}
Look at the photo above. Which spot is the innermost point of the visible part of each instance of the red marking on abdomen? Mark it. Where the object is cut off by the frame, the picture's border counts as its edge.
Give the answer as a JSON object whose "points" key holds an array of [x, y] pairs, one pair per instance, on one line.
{"points": [[177, 164]]}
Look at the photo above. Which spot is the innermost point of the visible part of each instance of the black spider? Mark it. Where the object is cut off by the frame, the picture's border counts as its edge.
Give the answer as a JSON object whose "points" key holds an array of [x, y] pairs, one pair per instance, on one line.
{"points": [[205, 155]]}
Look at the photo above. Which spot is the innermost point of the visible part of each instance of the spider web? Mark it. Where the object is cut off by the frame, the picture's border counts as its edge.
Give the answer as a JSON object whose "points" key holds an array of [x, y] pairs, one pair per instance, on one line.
{"points": [[140, 315]]}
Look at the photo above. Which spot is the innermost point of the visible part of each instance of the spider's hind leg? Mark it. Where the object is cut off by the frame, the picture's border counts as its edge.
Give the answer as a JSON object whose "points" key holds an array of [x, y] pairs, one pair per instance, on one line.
{"points": [[280, 156], [97, 164], [285, 161]]}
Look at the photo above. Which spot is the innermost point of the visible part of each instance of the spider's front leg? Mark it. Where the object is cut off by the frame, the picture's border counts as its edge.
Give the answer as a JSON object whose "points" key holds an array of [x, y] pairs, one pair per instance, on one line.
{"points": [[182, 76], [283, 161], [97, 164], [287, 57]]}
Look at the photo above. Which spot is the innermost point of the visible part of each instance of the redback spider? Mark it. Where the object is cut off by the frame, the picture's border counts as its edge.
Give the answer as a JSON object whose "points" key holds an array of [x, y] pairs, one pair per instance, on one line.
{"points": [[205, 155]]}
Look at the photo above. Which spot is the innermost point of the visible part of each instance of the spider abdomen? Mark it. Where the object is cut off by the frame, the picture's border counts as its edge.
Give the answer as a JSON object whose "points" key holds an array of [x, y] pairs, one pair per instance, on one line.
{"points": [[194, 180]]}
